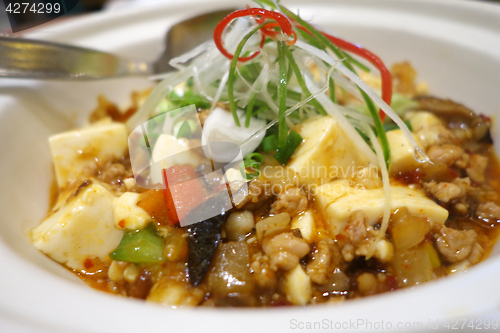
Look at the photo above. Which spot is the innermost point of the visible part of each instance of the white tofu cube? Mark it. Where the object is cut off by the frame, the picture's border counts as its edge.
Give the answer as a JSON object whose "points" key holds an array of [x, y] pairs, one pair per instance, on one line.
{"points": [[305, 223], [339, 199], [128, 215], [233, 174], [174, 294], [83, 228], [220, 127], [326, 153], [172, 151], [427, 127], [402, 153], [75, 152], [422, 119], [297, 286]]}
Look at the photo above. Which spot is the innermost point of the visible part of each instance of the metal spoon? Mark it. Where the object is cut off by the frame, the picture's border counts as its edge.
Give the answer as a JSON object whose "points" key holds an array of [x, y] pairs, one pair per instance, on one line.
{"points": [[32, 59]]}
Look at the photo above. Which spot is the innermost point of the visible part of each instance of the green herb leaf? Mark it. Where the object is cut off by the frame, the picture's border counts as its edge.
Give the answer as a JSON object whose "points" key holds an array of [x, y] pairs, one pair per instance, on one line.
{"points": [[283, 154], [140, 246]]}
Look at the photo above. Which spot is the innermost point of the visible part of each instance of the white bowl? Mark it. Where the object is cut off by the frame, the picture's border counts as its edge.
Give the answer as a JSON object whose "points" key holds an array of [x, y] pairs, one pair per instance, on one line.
{"points": [[455, 47]]}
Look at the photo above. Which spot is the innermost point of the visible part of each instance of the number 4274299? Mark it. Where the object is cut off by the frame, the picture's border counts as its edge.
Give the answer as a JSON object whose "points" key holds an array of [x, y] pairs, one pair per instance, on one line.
{"points": [[471, 324], [36, 8]]}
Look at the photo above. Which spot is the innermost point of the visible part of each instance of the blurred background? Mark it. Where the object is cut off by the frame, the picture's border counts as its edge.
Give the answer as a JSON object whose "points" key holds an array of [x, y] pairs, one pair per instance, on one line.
{"points": [[83, 7]]}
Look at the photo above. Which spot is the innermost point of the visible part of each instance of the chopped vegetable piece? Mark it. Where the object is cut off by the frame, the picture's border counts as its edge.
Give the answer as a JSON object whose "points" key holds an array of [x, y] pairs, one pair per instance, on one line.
{"points": [[292, 142], [182, 192], [204, 238], [252, 161], [175, 245], [412, 267], [269, 143], [433, 255], [231, 272], [142, 246], [410, 232], [169, 202], [153, 202]]}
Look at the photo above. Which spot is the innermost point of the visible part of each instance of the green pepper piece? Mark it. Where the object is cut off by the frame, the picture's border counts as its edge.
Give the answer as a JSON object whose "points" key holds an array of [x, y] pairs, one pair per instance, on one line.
{"points": [[140, 246]]}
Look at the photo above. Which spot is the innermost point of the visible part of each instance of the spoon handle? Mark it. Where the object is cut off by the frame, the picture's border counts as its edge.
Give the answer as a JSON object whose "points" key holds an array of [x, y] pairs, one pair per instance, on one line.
{"points": [[32, 59]]}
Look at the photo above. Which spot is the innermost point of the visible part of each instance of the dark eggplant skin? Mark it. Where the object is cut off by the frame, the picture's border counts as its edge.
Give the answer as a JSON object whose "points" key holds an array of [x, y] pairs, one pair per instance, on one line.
{"points": [[457, 116], [204, 237]]}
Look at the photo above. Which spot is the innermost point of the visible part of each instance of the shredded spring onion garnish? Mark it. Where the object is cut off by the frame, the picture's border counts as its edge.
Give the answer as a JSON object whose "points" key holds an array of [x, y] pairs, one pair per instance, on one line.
{"points": [[273, 67]]}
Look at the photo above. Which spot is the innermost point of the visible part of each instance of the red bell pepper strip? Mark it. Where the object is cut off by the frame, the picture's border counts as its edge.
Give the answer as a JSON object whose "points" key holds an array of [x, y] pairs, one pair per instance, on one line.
{"points": [[182, 191]]}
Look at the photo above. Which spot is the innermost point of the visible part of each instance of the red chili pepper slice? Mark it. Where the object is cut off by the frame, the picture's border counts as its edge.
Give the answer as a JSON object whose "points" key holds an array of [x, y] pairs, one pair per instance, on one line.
{"points": [[385, 75], [270, 32], [286, 28], [283, 22]]}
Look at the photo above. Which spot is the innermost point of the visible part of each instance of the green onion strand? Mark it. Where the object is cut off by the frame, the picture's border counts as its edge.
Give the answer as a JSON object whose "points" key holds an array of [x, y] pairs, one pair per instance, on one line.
{"points": [[333, 97], [283, 154], [282, 93], [232, 73], [302, 83], [249, 109]]}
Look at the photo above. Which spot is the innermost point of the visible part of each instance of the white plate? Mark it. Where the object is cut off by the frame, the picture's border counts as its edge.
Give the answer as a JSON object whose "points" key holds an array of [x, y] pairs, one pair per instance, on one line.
{"points": [[455, 47]]}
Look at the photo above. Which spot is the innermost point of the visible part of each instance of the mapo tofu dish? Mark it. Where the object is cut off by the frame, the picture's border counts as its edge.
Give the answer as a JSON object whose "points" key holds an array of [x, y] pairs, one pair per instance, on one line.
{"points": [[351, 179]]}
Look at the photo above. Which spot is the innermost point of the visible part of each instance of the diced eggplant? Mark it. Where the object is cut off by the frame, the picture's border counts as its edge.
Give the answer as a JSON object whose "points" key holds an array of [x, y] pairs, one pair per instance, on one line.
{"points": [[231, 272], [204, 237]]}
